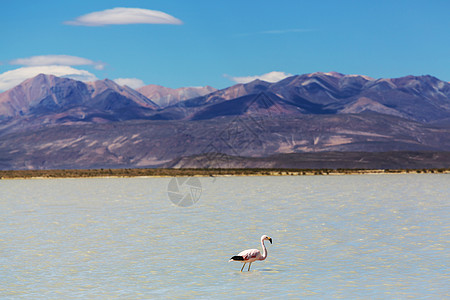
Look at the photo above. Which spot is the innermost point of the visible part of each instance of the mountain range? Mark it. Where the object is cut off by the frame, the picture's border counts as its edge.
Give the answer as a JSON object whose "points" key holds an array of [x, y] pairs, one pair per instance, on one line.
{"points": [[165, 96], [52, 122]]}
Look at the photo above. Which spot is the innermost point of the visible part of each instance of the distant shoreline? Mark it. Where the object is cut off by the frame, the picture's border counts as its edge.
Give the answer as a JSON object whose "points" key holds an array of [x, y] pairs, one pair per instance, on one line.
{"points": [[125, 173]]}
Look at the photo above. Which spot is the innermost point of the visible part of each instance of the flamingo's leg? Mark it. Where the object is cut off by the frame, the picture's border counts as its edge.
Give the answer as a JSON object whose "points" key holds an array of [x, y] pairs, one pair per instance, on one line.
{"points": [[243, 266], [249, 267]]}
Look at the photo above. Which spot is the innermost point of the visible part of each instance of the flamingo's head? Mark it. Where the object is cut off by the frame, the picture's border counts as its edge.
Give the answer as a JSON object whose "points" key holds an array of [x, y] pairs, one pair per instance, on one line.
{"points": [[265, 237]]}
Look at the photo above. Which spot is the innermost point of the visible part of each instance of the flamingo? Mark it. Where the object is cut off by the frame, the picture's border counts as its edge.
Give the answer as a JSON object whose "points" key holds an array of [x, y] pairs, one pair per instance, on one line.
{"points": [[251, 255]]}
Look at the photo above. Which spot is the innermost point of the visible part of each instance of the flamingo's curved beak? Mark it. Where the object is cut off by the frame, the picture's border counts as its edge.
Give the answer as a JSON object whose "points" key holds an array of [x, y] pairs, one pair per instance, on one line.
{"points": [[270, 239]]}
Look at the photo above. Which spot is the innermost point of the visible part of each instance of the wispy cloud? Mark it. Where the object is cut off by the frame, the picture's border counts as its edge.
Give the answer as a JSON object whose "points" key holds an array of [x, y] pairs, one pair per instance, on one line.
{"points": [[277, 31], [60, 60], [12, 78], [274, 76], [283, 31], [122, 16], [133, 83]]}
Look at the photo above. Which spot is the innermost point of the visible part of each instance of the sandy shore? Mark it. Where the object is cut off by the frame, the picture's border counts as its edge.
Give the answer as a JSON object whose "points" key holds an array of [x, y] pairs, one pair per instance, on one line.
{"points": [[120, 173]]}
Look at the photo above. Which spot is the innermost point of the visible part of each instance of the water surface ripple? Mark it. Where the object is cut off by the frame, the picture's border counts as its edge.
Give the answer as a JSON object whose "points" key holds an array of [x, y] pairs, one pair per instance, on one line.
{"points": [[355, 236]]}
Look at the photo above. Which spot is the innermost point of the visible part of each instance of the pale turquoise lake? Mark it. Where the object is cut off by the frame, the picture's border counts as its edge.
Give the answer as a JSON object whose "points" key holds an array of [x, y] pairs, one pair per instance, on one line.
{"points": [[347, 236]]}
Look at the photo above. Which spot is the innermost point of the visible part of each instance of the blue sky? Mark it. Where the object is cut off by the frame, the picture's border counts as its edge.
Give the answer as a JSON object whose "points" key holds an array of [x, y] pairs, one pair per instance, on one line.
{"points": [[219, 43]]}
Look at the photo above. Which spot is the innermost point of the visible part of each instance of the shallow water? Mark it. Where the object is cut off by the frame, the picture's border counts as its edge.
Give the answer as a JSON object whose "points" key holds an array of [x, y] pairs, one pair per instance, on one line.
{"points": [[352, 236]]}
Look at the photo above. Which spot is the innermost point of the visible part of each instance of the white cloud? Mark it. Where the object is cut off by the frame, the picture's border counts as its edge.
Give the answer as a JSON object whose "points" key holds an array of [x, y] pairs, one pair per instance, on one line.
{"points": [[274, 76], [133, 83], [60, 60], [12, 78], [123, 15]]}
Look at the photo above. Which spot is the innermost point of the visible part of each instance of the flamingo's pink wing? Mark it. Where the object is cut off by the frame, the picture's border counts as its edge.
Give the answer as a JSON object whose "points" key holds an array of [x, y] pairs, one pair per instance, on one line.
{"points": [[249, 254]]}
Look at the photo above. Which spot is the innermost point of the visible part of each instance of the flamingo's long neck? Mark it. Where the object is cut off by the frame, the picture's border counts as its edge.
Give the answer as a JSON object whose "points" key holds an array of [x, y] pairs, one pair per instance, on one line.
{"points": [[264, 255]]}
